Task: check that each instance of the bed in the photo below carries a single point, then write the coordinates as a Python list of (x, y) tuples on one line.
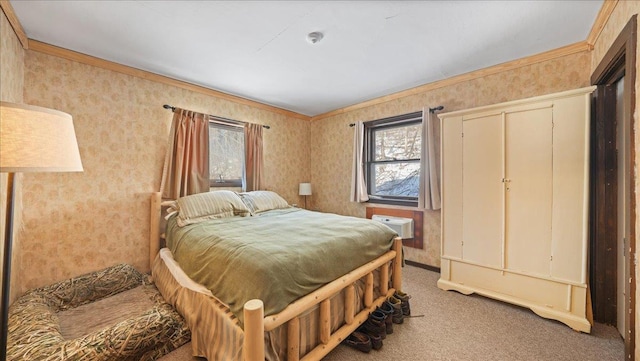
[(256, 239)]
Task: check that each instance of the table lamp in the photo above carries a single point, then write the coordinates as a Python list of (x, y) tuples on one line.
[(305, 190)]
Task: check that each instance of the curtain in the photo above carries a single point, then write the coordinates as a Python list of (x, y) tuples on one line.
[(186, 167), (358, 185), (429, 197), (253, 160)]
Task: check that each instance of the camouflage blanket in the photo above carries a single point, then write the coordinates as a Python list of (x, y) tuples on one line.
[(34, 330)]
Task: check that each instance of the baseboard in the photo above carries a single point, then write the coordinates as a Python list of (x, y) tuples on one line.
[(422, 265)]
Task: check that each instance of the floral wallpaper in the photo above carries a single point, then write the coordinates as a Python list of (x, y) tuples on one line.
[(11, 85), (618, 19), (331, 144), (79, 222), (12, 60)]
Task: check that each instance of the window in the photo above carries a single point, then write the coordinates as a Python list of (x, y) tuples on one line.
[(392, 156), (226, 155)]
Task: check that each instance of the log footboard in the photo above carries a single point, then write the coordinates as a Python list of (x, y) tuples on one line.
[(255, 324)]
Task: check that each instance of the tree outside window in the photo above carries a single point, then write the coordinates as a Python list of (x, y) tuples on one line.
[(226, 155), (393, 149)]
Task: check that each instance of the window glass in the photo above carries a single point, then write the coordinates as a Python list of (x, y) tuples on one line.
[(393, 149), (399, 142), (226, 155), (396, 179)]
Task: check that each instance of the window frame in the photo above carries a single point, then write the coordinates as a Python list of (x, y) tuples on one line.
[(370, 128), (230, 125)]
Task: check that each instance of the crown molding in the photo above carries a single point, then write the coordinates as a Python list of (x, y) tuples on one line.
[(548, 55), (109, 65), (15, 23), (53, 50), (601, 21), (603, 16), (598, 25)]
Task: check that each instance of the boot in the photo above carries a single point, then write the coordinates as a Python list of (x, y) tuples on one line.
[(375, 325), (376, 340), (387, 309), (404, 302), (397, 316)]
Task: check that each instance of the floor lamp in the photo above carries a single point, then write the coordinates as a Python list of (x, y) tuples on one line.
[(32, 139), (305, 190)]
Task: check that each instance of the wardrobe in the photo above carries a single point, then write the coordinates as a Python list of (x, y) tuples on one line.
[(515, 198)]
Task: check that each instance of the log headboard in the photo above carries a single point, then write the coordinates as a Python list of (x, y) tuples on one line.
[(156, 225)]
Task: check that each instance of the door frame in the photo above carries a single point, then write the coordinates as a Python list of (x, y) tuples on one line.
[(620, 60)]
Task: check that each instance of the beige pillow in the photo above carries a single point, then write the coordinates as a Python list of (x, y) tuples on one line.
[(202, 206), (261, 201)]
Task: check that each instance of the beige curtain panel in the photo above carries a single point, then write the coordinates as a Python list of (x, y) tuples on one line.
[(358, 185), (186, 168), (253, 159), (429, 197)]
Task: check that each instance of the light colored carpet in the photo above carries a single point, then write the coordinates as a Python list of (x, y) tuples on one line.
[(458, 327)]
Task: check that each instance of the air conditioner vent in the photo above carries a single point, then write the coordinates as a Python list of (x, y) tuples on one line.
[(402, 226)]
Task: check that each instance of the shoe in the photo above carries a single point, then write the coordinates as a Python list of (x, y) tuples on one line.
[(375, 336), (375, 325), (387, 309), (397, 316), (360, 341), (404, 302), (376, 341), (380, 317)]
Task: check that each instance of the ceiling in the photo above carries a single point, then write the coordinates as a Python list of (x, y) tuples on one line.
[(259, 50)]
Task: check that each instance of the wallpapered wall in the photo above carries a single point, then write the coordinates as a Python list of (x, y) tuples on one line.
[(11, 85), (331, 145), (79, 222), (11, 61), (75, 223), (619, 18)]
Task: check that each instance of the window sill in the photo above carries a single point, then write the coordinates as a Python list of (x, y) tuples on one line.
[(391, 206), (384, 202), (235, 189)]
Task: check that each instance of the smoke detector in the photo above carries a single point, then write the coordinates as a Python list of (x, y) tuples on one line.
[(314, 37)]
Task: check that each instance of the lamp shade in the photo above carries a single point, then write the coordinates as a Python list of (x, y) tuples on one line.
[(36, 139), (305, 189)]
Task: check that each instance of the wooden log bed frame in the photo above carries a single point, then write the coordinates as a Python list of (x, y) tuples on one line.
[(256, 323)]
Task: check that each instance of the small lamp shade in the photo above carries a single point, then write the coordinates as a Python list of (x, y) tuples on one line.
[(305, 189), (36, 139)]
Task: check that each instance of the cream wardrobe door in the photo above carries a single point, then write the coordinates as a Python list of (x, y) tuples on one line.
[(529, 190), (452, 189), (570, 189), (482, 190)]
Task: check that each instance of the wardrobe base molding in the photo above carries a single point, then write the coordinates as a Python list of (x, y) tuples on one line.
[(550, 299)]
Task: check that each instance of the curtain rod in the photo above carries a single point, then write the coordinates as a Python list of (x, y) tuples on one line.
[(431, 110), (173, 109)]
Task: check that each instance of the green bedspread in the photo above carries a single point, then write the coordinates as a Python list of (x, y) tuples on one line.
[(277, 257)]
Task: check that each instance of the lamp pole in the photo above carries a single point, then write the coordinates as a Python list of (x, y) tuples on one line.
[(6, 266)]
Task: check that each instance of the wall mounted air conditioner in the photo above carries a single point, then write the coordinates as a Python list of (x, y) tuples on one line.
[(403, 226)]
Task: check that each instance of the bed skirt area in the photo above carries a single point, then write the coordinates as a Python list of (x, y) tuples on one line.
[(215, 331)]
